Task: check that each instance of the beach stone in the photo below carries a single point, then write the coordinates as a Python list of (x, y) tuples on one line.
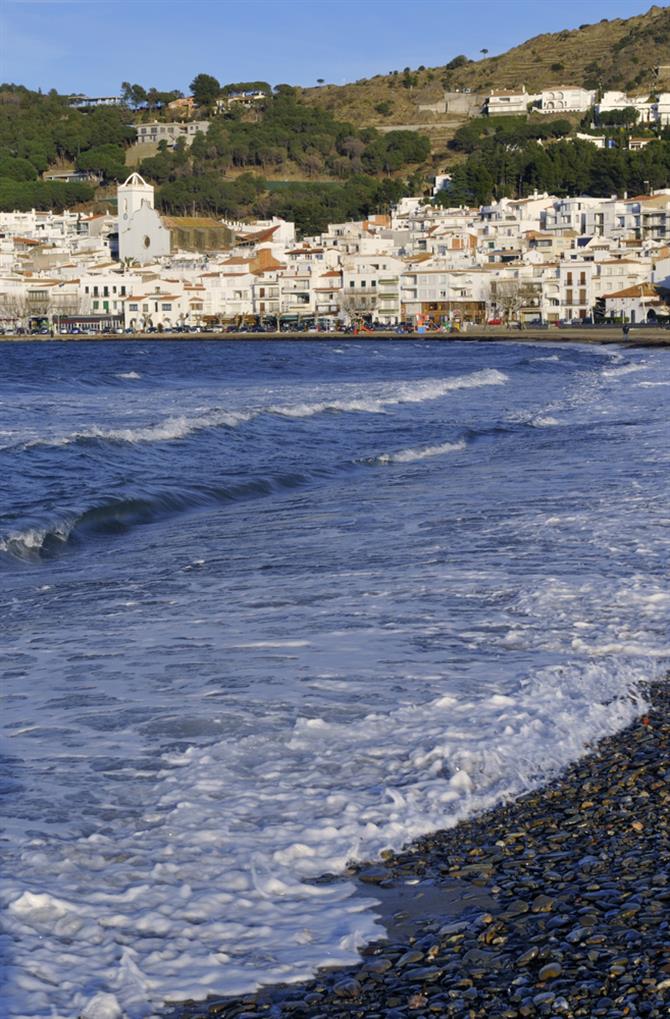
[(349, 988), (550, 971), (516, 908), (528, 956), (409, 957), (376, 965), (373, 875)]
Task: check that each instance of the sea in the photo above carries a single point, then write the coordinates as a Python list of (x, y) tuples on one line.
[(269, 608)]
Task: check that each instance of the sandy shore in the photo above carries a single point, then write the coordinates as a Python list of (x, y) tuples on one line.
[(555, 905), (600, 336)]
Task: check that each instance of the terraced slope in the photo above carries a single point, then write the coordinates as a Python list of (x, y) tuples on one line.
[(618, 53)]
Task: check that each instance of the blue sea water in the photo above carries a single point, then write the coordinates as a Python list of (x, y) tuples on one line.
[(270, 607)]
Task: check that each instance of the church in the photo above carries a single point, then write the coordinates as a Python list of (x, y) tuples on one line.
[(143, 237)]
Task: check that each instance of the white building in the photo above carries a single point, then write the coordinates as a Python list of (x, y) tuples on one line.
[(142, 235), (514, 102), (639, 303), (651, 109), (160, 131), (566, 99)]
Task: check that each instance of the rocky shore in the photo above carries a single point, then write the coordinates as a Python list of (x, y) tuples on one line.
[(555, 905)]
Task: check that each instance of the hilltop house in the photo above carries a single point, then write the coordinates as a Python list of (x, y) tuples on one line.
[(511, 103), (170, 132), (654, 109), (566, 99)]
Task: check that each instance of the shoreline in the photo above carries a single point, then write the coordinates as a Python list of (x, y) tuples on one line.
[(644, 337), (555, 904)]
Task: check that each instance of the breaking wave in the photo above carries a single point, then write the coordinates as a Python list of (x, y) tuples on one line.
[(423, 453), (179, 427)]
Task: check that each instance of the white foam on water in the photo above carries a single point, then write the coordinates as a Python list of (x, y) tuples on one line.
[(128, 375), (32, 540), (410, 455), (624, 369), (273, 643), (212, 889), (180, 426)]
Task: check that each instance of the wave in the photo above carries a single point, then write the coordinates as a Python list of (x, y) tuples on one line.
[(421, 453), (624, 369), (538, 419), (118, 515), (347, 790), (179, 427), (128, 375)]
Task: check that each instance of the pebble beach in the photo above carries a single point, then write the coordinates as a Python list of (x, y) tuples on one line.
[(557, 904)]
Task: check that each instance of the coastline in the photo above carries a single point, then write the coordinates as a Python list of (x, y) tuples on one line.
[(645, 337), (556, 904)]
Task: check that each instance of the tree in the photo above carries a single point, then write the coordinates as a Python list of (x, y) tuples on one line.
[(460, 61), (205, 89), (484, 51), (623, 118), (133, 95), (320, 81)]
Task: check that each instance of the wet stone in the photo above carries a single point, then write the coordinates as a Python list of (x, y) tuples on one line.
[(373, 875), (550, 971), (347, 988)]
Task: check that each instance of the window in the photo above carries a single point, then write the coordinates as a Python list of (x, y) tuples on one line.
[(166, 307), (133, 307), (95, 291), (582, 279), (96, 305), (569, 279)]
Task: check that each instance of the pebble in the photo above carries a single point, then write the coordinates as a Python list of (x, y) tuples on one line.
[(578, 873), (550, 971)]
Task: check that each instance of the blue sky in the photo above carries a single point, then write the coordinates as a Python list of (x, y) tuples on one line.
[(92, 45)]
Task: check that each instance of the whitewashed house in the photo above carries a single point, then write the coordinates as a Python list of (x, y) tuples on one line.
[(566, 99)]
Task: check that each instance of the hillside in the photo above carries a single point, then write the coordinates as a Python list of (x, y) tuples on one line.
[(617, 53), (340, 152)]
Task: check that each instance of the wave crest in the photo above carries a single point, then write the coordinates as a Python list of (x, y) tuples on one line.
[(179, 427)]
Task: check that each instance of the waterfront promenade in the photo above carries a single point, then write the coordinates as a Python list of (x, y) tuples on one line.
[(647, 337)]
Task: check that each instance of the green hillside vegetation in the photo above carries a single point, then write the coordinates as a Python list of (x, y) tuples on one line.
[(335, 153), (288, 137), (497, 168), (38, 132)]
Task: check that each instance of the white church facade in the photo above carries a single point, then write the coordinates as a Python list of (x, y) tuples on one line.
[(142, 234)]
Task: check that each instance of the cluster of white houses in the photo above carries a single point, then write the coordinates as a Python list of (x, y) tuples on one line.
[(538, 259), (651, 109)]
